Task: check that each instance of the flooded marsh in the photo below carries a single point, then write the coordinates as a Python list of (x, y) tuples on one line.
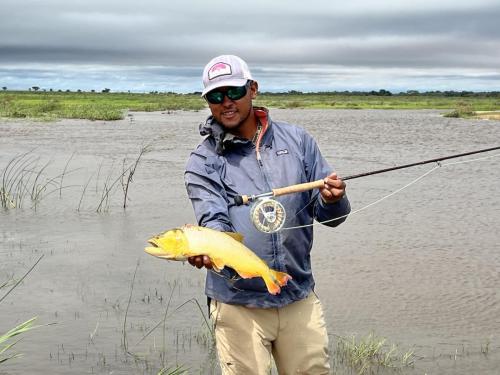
[(420, 269)]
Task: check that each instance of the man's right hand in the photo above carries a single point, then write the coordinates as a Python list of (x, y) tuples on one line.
[(200, 261)]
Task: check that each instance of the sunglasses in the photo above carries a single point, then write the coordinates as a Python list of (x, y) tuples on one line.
[(233, 93)]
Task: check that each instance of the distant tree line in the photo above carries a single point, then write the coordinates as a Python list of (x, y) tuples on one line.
[(381, 92), (384, 92), (37, 88)]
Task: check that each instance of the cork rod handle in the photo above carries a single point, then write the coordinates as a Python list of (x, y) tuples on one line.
[(298, 188)]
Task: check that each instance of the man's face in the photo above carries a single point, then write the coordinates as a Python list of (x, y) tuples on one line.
[(233, 113)]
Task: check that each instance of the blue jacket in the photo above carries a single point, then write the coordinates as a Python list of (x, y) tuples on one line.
[(224, 166)]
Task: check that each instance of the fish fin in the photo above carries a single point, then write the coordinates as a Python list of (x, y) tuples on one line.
[(272, 286), (218, 264), (247, 275), (236, 236), (281, 277), (275, 280)]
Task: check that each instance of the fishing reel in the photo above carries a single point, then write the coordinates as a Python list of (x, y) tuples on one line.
[(267, 215)]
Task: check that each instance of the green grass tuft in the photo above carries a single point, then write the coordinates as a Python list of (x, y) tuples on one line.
[(6, 343), (370, 353)]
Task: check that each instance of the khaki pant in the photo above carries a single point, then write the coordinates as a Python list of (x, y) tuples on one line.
[(295, 335)]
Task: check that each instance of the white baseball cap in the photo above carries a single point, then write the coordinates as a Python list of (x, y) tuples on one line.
[(225, 70)]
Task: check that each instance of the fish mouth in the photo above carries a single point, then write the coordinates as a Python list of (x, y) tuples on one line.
[(158, 252), (152, 242), (155, 250)]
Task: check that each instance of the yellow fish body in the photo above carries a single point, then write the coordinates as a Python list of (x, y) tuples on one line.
[(223, 249)]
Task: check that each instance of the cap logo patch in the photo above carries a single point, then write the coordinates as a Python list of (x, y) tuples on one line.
[(219, 69)]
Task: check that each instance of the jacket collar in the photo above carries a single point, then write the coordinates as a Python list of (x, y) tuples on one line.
[(224, 141)]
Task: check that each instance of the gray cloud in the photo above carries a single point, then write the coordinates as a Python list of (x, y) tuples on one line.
[(156, 42)]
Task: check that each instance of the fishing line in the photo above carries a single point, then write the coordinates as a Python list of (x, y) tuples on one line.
[(268, 215), (233, 278), (394, 192)]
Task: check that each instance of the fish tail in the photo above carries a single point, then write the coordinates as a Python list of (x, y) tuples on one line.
[(271, 284), (275, 280), (281, 277)]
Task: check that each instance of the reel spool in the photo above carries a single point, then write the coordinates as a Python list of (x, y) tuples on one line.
[(267, 215)]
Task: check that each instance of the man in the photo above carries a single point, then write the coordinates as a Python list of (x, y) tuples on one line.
[(245, 152)]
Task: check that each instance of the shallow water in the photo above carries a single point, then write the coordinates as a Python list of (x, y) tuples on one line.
[(421, 268)]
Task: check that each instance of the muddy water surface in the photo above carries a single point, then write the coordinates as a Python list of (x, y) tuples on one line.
[(421, 268)]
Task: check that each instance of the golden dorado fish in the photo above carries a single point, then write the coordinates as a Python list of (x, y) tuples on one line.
[(223, 249)]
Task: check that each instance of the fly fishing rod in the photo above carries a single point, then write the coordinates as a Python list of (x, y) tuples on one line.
[(268, 215)]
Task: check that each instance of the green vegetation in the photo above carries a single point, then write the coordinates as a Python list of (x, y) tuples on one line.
[(383, 100), (174, 371), (370, 353), (462, 110), (92, 106), (113, 106), (24, 179), (7, 339)]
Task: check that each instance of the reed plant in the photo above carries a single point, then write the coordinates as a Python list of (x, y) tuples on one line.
[(130, 171), (165, 370), (173, 371), (370, 353), (7, 340), (125, 178), (24, 178), (7, 343)]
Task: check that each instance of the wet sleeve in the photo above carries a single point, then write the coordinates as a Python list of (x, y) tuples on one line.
[(330, 214), (206, 192)]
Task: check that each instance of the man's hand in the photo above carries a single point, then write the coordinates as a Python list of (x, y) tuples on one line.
[(333, 190), (200, 261)]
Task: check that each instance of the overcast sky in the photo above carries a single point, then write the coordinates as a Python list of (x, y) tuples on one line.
[(149, 45)]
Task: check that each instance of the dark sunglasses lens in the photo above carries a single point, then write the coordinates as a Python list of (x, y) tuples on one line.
[(215, 97), (235, 93)]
